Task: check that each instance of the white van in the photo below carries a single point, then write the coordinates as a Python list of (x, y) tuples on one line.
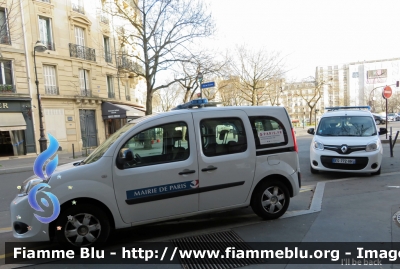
[(170, 165), (347, 140)]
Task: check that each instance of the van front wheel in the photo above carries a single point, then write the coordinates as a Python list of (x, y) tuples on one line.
[(82, 226), (270, 200)]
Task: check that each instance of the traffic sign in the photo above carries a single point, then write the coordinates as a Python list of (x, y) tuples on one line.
[(208, 85), (387, 92)]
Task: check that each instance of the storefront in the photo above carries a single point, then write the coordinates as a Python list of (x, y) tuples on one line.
[(115, 116), (16, 127)]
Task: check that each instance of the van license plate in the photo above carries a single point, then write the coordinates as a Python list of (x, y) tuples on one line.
[(346, 161)]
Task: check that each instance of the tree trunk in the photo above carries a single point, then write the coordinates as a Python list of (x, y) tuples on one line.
[(187, 95)]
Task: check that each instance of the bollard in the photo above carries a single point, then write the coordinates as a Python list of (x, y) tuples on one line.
[(73, 151), (390, 145)]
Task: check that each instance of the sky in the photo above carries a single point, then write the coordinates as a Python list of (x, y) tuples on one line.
[(310, 33)]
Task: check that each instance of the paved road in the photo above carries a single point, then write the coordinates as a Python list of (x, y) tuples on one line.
[(351, 207)]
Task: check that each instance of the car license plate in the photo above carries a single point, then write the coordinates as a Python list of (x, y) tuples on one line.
[(346, 161)]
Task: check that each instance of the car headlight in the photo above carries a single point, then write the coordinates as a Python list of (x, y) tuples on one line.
[(318, 145), (372, 146), (28, 185)]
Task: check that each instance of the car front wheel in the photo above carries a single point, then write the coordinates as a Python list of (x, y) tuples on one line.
[(82, 226), (377, 122), (270, 200)]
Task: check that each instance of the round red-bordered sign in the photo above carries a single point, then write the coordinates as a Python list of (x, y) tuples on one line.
[(387, 92)]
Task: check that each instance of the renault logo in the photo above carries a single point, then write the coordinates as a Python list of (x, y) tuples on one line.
[(344, 148)]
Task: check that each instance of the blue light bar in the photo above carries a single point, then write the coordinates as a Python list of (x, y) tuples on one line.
[(193, 103), (347, 107)]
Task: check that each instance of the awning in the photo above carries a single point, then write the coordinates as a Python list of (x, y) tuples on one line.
[(116, 111), (12, 122)]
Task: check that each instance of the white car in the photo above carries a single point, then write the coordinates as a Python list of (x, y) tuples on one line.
[(346, 140), (165, 166)]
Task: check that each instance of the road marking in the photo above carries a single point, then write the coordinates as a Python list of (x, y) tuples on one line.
[(393, 187), (307, 188)]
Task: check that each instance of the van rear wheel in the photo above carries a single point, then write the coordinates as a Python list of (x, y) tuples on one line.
[(270, 200), (82, 226)]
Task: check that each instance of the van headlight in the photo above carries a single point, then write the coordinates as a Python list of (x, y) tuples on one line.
[(372, 146), (28, 185), (318, 145)]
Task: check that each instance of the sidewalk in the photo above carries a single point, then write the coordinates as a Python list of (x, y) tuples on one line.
[(24, 163)]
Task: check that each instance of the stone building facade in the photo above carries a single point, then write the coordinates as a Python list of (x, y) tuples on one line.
[(86, 86)]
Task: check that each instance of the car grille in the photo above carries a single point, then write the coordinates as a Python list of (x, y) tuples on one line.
[(361, 163), (350, 149)]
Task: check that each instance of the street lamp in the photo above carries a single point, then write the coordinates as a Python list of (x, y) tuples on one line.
[(42, 140), (200, 78), (316, 111)]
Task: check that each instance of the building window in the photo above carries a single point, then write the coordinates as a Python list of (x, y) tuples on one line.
[(107, 51), (84, 82), (4, 31), (50, 80), (110, 86), (45, 33), (6, 80), (77, 5), (80, 36)]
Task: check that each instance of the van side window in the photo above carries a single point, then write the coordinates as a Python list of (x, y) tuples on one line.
[(159, 144), (221, 136), (268, 132)]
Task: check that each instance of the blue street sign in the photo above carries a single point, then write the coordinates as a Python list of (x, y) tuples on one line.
[(208, 85)]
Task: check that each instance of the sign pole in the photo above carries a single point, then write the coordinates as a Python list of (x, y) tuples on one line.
[(386, 115), (387, 93)]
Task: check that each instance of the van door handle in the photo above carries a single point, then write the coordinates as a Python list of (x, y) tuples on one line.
[(187, 171), (209, 168)]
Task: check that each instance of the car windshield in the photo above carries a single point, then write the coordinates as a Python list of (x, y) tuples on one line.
[(391, 114), (100, 150), (346, 126)]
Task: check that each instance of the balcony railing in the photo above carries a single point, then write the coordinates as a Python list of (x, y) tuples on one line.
[(49, 45), (128, 98), (52, 90), (78, 8), (5, 88), (82, 52), (5, 39), (111, 95), (86, 92), (127, 64), (108, 57)]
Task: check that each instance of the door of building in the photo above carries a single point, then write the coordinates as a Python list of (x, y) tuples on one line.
[(88, 128)]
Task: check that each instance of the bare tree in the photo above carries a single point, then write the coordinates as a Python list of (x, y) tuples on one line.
[(162, 30), (10, 22), (311, 91), (208, 64), (229, 92), (257, 71), (167, 98)]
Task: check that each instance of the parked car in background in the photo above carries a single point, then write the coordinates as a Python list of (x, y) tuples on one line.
[(392, 117), (379, 119)]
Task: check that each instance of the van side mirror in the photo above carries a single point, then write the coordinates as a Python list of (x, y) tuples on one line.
[(125, 155), (382, 131), (310, 131)]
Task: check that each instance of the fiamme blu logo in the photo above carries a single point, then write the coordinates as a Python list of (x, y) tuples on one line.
[(44, 168)]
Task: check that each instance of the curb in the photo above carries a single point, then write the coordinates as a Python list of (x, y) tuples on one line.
[(24, 168)]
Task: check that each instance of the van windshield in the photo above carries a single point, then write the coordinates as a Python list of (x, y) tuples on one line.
[(346, 126), (100, 150)]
